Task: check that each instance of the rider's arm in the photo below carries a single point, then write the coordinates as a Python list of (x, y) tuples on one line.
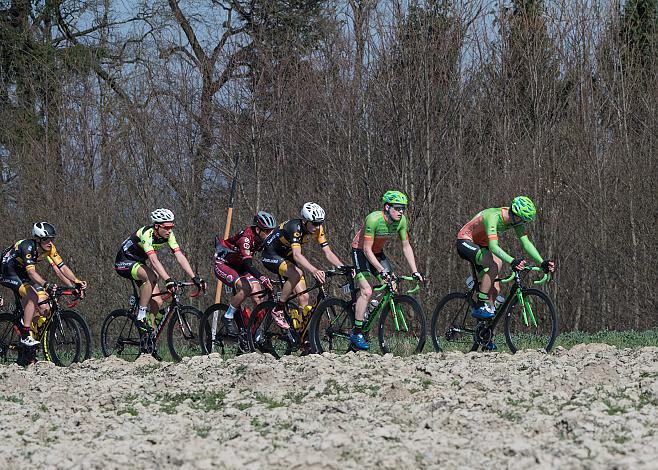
[(66, 275), (185, 264), (331, 256), (301, 260), (527, 245), (408, 252), (490, 221), (35, 277), (251, 268), (157, 266), (372, 259)]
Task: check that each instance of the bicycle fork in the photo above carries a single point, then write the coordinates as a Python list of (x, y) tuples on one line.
[(526, 309), (398, 317)]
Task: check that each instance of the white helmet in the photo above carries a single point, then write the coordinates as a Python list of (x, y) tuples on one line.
[(43, 230), (160, 216), (312, 212)]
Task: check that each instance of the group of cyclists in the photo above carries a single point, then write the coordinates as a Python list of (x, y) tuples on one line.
[(280, 246)]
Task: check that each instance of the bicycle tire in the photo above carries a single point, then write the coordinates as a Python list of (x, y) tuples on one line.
[(66, 328), (453, 327), (542, 336), (207, 342), (9, 339), (405, 332), (183, 331), (274, 339), (120, 336), (331, 326)]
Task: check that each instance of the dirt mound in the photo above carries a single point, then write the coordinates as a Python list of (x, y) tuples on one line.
[(594, 406)]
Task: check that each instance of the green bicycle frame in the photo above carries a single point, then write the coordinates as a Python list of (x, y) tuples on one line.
[(388, 298), (526, 310)]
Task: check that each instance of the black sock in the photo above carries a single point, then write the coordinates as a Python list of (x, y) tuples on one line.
[(358, 327)]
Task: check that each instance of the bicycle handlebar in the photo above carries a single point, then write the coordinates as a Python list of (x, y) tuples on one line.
[(166, 295), (539, 282), (401, 278)]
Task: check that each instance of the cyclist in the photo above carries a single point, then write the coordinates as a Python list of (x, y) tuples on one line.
[(283, 255), (234, 263), (368, 254), (20, 275), (477, 242), (141, 246)]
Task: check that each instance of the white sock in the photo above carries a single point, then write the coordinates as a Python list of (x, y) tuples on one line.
[(141, 314), (230, 312)]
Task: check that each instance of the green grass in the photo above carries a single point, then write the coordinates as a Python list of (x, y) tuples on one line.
[(620, 339)]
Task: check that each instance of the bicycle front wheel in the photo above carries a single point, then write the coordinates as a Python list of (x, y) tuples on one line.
[(331, 326), (183, 332), (68, 339), (531, 324), (453, 327), (120, 336), (402, 331)]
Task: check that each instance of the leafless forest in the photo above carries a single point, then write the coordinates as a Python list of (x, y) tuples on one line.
[(110, 109)]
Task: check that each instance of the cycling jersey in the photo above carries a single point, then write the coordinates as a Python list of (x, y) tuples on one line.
[(20, 258), (483, 230), (379, 230), (136, 249), (234, 256), (143, 242), (292, 234)]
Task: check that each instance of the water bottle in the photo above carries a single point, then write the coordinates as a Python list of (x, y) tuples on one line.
[(470, 282), (498, 302), (296, 318), (159, 316), (371, 308), (132, 300)]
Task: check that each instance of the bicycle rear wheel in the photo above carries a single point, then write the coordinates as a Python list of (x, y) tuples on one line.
[(453, 327), (266, 335), (9, 339), (120, 336), (331, 326), (68, 339), (402, 331), (183, 332), (532, 325)]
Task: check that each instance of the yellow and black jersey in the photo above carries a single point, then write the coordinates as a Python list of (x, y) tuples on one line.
[(291, 234), (23, 255)]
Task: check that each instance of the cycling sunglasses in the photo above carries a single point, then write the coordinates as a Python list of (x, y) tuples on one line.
[(47, 239), (167, 227), (399, 208)]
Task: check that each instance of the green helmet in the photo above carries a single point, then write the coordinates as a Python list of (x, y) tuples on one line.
[(523, 207), (394, 197)]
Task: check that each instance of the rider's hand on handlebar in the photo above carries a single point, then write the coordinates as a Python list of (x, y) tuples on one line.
[(50, 288), (419, 277), (518, 264), (266, 282), (386, 276), (319, 275), (170, 284), (199, 282), (548, 266)]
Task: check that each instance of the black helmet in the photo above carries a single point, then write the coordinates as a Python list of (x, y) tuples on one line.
[(43, 230), (265, 220)]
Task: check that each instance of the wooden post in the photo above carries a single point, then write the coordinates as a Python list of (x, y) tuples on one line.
[(227, 227)]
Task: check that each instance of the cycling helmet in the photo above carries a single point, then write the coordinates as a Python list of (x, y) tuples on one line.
[(264, 220), (43, 230), (312, 212), (523, 207), (160, 216), (394, 197)]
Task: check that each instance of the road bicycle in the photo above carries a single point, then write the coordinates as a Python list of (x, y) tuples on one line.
[(529, 318), (63, 333), (268, 337), (398, 319), (122, 335), (214, 335)]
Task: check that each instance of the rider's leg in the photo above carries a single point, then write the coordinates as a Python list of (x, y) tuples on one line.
[(292, 274), (365, 292), (494, 272), (486, 260), (149, 285), (29, 300)]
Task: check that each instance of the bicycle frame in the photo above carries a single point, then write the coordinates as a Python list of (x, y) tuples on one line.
[(389, 299)]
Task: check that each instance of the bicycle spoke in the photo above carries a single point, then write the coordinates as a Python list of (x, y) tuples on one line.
[(531, 323), (453, 328)]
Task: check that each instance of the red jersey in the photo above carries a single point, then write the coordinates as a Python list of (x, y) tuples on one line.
[(241, 246)]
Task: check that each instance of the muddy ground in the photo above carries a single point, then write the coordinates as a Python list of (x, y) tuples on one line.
[(594, 406)]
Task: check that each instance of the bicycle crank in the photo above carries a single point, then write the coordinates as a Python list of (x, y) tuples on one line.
[(483, 333)]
